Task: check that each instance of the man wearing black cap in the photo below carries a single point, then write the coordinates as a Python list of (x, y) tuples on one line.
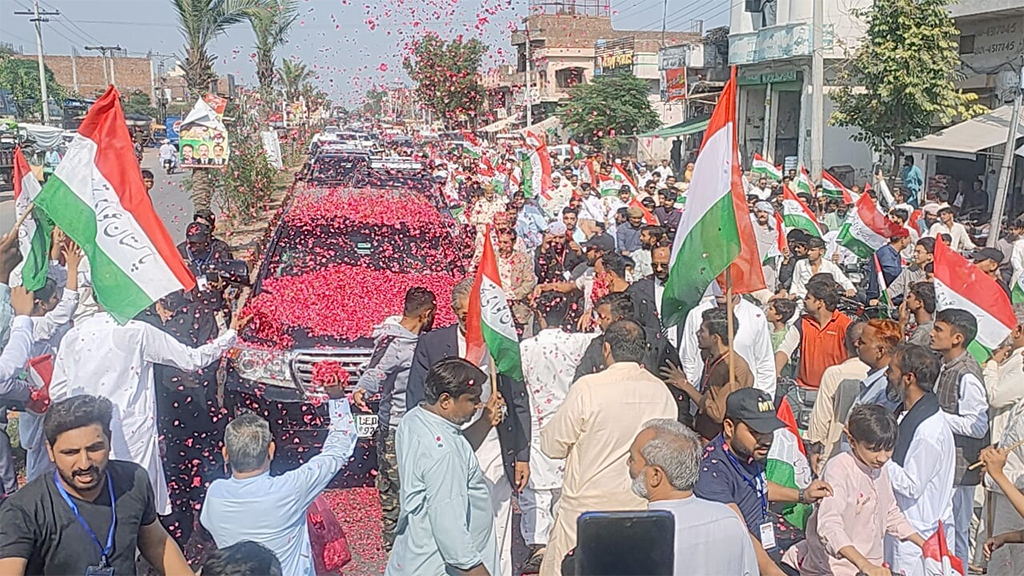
[(732, 472), (988, 260)]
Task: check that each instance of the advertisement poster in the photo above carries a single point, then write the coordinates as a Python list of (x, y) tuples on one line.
[(674, 84), (272, 148), (202, 138)]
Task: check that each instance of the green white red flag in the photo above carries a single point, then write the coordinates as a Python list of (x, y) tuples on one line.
[(622, 179), (787, 465), (938, 560), (866, 229), (489, 325), (803, 182), (832, 187), (96, 196), (765, 168), (536, 168), (796, 214), (962, 285), (708, 238), (34, 232)]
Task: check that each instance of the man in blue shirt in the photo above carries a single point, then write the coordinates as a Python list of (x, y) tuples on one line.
[(271, 510), (913, 179), (890, 262), (732, 472), (446, 522)]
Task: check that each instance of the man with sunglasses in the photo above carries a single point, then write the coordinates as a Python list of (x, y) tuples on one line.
[(732, 472)]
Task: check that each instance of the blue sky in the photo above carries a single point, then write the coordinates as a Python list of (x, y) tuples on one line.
[(352, 45)]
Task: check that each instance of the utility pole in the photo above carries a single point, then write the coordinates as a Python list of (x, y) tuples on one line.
[(38, 17), (1006, 170), (104, 50), (74, 68), (528, 97), (817, 94)]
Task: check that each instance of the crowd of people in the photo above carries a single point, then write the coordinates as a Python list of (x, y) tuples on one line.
[(830, 423)]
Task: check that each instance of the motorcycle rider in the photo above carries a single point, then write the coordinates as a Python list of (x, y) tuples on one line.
[(168, 155)]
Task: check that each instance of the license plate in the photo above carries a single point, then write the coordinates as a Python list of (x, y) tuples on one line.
[(366, 425)]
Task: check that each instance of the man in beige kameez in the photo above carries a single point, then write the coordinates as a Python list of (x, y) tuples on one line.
[(593, 430)]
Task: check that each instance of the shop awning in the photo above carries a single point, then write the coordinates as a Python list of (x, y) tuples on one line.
[(968, 138), (500, 125), (549, 123), (686, 127)]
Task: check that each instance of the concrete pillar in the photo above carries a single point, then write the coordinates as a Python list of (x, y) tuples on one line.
[(772, 120)]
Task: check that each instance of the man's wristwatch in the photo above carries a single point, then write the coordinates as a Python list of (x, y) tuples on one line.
[(800, 496)]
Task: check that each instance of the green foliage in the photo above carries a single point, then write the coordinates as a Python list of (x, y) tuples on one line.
[(293, 76), (247, 183), (200, 22), (271, 27), (21, 77), (373, 102), (138, 102), (447, 76), (608, 109), (907, 67)]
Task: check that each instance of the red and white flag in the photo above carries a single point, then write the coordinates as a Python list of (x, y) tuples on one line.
[(40, 372), (938, 560)]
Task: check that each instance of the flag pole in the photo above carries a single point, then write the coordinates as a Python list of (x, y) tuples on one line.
[(729, 320), (24, 215)]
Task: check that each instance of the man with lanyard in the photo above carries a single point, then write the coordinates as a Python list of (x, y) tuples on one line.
[(732, 472), (54, 524)]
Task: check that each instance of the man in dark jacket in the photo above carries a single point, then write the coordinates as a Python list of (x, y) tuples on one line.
[(505, 455)]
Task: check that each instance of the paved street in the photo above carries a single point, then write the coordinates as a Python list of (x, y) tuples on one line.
[(169, 197)]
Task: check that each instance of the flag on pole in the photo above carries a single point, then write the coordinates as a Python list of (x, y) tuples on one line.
[(833, 188), (960, 284), (96, 196), (938, 560), (796, 214), (649, 218), (866, 229), (787, 465), (765, 168), (803, 182), (536, 166), (489, 326), (474, 148), (607, 185), (34, 233), (708, 238), (622, 178), (574, 150)]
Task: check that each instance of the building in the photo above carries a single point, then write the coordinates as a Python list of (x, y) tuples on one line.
[(991, 37), (88, 76), (770, 43), (566, 39)]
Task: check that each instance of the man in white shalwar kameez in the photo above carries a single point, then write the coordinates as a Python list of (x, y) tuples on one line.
[(549, 363), (101, 357)]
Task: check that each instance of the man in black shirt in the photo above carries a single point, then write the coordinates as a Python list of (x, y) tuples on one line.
[(91, 514)]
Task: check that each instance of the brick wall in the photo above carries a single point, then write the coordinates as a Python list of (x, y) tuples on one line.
[(130, 73)]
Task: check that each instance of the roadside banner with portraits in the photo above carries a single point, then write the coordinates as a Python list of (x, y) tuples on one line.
[(203, 139)]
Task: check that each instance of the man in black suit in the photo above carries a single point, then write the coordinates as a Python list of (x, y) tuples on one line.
[(647, 292), (504, 459)]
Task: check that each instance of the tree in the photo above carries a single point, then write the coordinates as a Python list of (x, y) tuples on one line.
[(203, 20), (271, 27), (906, 67), (373, 102), (293, 76), (21, 77), (609, 108), (138, 102), (447, 76)]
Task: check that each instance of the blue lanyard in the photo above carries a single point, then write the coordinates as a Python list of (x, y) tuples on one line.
[(757, 484), (105, 550), (198, 263)]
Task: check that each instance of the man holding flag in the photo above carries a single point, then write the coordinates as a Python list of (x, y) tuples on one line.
[(485, 336)]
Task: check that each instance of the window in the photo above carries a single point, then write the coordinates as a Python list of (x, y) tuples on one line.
[(967, 44)]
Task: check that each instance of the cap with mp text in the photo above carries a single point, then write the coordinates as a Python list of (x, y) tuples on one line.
[(754, 408)]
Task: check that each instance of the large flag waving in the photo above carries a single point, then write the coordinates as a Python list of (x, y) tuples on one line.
[(960, 284), (489, 326), (34, 232), (96, 196), (832, 187), (867, 229), (796, 214), (536, 167), (708, 239)]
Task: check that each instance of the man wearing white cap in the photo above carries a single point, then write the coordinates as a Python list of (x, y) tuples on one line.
[(767, 241)]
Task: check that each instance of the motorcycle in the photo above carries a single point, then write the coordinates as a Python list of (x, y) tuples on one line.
[(169, 165)]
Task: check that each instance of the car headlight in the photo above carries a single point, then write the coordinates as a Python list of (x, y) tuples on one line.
[(264, 366)]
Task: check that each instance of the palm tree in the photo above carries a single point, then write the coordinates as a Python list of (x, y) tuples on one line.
[(271, 30), (293, 76), (203, 20)]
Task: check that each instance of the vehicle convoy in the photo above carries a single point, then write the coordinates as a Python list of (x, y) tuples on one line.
[(338, 263)]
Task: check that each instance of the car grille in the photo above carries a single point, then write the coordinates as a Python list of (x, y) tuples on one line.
[(354, 360)]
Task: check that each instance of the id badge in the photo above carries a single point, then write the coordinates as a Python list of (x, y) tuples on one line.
[(99, 571), (567, 275), (202, 282), (767, 536)]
